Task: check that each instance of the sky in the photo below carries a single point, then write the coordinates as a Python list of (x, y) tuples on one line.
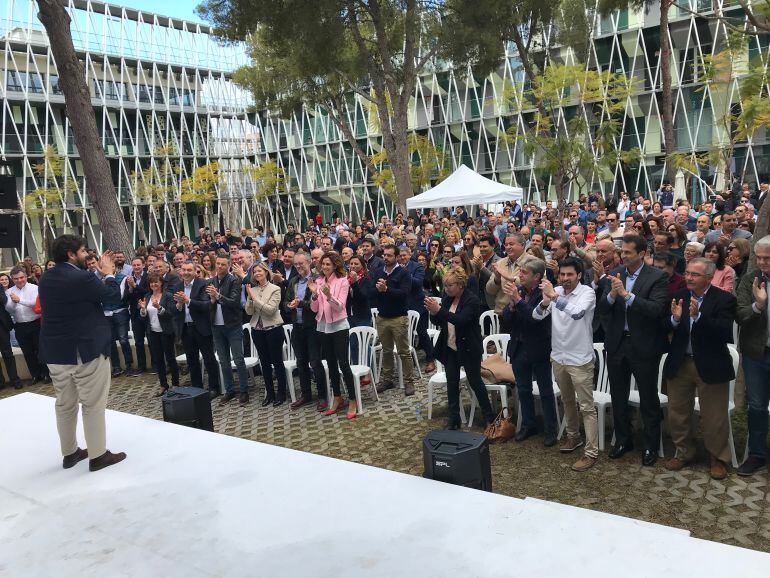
[(184, 9)]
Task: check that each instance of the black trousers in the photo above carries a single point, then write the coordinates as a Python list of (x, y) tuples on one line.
[(335, 349), (269, 346), (307, 350), (620, 367), (197, 345), (424, 341), (473, 373), (162, 347), (7, 352), (28, 336), (139, 327)]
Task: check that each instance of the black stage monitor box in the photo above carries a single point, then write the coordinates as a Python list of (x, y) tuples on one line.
[(190, 406), (8, 198), (10, 231), (457, 457)]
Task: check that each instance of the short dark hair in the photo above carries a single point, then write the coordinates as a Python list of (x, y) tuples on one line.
[(668, 258), (639, 243), (389, 246), (574, 262), (18, 269), (487, 238), (63, 245)]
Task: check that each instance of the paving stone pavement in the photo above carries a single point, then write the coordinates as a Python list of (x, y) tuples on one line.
[(389, 435)]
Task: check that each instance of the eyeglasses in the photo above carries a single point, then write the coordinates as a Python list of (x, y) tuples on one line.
[(693, 274), (447, 252)]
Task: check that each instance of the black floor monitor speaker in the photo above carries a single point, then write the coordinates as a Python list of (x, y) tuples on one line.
[(10, 231), (8, 198), (457, 457), (190, 406)]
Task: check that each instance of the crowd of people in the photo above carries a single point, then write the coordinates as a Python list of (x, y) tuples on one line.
[(644, 276)]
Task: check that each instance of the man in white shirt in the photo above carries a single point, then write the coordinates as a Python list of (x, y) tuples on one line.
[(22, 298), (571, 307)]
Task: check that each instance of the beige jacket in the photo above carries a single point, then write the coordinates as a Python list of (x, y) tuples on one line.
[(264, 305), (496, 298)]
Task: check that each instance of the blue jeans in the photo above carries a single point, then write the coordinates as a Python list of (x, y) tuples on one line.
[(523, 369), (229, 340), (119, 323), (757, 375)]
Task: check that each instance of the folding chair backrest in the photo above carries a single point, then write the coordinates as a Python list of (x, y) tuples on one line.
[(439, 365), (414, 320), (500, 341), (600, 358), (736, 360), (288, 349), (489, 323), (365, 337)]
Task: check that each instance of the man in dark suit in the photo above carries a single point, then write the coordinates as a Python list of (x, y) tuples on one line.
[(632, 307), (171, 281), (530, 350), (225, 311), (138, 289), (6, 325), (75, 343), (699, 362), (416, 302), (197, 341), (304, 337)]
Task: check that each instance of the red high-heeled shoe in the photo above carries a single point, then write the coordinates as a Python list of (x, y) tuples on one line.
[(332, 410)]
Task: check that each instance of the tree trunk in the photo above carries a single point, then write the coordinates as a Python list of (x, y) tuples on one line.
[(667, 111), (80, 113)]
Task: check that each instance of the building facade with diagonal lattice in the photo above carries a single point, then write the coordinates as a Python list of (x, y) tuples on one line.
[(166, 105)]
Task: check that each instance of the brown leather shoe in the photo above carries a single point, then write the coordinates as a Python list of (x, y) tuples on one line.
[(718, 469), (227, 398), (584, 463), (105, 460), (408, 389), (570, 444), (75, 457), (675, 464), (300, 402), (430, 367)]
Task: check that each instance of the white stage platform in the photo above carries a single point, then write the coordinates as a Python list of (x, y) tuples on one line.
[(192, 503)]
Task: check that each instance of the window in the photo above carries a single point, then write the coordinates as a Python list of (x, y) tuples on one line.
[(53, 80), (14, 81), (35, 83), (142, 93)]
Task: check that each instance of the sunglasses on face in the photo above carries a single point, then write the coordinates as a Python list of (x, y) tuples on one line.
[(447, 252)]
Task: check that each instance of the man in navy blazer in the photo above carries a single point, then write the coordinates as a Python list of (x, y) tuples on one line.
[(416, 302), (530, 350), (195, 304), (75, 343)]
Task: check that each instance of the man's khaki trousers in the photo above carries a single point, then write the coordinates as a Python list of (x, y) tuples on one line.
[(86, 384)]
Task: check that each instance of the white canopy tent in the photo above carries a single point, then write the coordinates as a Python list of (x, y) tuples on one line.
[(465, 187)]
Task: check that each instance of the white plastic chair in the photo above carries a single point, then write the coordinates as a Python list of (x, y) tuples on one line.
[(362, 365), (730, 405), (500, 341), (438, 379), (289, 361), (489, 319), (634, 401)]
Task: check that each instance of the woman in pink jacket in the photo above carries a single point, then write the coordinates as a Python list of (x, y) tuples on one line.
[(330, 296)]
